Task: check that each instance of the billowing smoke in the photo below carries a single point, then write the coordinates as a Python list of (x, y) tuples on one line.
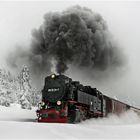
[(76, 37)]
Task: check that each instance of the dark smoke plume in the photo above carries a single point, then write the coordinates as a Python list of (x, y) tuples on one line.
[(78, 37)]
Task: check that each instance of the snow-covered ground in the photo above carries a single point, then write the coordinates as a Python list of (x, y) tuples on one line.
[(16, 123)]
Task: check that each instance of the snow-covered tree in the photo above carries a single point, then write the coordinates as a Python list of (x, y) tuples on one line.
[(25, 104), (25, 88), (4, 100), (25, 79), (35, 97), (18, 89), (7, 95)]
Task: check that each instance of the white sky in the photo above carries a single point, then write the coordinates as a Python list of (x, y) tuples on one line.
[(17, 19)]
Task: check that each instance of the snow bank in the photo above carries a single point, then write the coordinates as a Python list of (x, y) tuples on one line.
[(17, 123), (15, 113), (129, 117)]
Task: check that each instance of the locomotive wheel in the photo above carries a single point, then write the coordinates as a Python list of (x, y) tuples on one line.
[(71, 116), (74, 116)]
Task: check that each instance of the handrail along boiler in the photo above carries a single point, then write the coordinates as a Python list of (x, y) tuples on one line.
[(67, 101)]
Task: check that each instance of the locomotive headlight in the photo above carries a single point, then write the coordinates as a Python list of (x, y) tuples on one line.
[(53, 76), (58, 102), (43, 103)]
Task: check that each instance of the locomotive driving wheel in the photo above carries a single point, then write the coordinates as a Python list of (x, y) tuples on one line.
[(74, 115)]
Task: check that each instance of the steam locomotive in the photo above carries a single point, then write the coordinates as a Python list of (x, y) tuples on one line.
[(67, 101)]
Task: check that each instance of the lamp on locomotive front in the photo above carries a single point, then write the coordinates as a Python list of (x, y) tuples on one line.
[(58, 102), (42, 103), (53, 76)]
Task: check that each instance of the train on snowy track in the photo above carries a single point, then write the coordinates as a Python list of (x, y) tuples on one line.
[(68, 101)]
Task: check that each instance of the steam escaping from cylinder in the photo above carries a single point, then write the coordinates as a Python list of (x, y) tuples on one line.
[(75, 37)]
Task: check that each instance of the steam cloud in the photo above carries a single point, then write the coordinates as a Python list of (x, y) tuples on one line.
[(78, 37)]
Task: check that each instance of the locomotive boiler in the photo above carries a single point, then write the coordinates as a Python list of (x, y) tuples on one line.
[(68, 101)]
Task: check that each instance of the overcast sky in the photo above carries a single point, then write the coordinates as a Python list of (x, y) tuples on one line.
[(17, 19)]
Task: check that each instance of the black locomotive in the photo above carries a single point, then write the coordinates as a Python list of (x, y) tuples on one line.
[(67, 101)]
